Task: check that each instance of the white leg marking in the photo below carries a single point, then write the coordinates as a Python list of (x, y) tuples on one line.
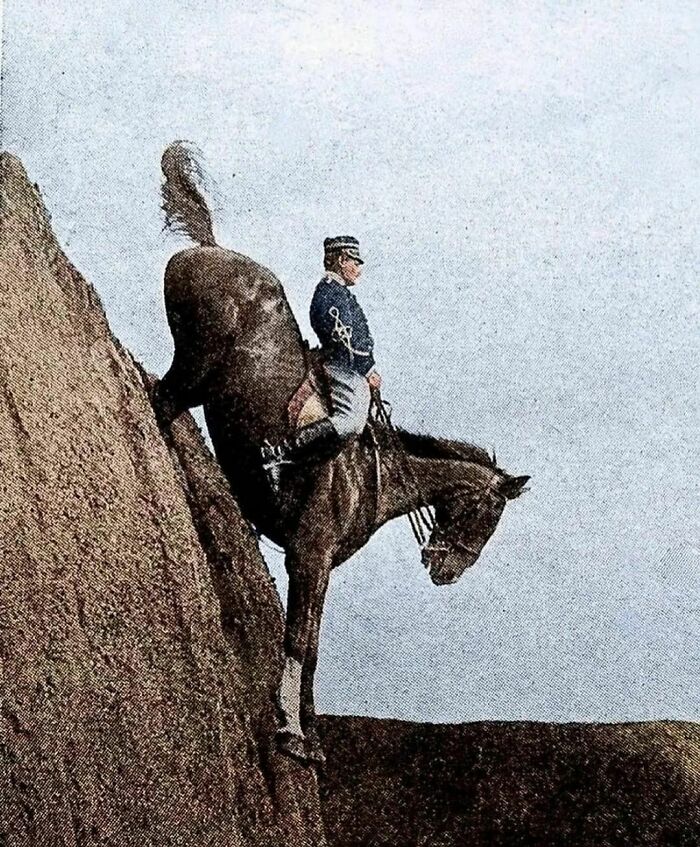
[(290, 696)]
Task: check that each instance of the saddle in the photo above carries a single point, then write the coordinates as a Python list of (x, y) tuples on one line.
[(311, 401)]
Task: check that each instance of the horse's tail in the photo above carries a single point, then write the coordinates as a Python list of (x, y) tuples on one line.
[(183, 202)]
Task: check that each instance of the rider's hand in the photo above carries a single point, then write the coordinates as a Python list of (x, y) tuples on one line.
[(374, 380)]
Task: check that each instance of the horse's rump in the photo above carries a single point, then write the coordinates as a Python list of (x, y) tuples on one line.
[(234, 330)]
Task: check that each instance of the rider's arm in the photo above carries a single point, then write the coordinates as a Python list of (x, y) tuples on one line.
[(320, 314)]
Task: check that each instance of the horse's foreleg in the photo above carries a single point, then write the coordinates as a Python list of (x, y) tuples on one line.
[(314, 750), (289, 697), (308, 707), (308, 582)]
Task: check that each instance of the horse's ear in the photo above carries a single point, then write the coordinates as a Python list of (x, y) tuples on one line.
[(513, 486)]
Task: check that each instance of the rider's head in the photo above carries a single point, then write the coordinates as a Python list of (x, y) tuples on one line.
[(342, 256)]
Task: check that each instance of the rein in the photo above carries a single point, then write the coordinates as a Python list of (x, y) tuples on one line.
[(421, 518)]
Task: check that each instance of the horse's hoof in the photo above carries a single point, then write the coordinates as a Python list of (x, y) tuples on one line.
[(292, 745)]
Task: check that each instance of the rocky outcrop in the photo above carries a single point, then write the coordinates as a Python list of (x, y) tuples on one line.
[(140, 631), (394, 784)]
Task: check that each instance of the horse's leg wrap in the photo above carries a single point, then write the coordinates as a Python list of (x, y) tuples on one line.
[(289, 697)]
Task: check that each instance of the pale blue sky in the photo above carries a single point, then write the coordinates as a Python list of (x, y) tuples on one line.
[(523, 177)]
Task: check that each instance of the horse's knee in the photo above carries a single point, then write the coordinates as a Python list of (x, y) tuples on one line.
[(305, 599), (181, 388)]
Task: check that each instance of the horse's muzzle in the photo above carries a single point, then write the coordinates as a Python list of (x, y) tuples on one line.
[(434, 559), (447, 564), (443, 577)]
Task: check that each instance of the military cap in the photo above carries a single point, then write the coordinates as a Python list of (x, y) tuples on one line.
[(345, 243)]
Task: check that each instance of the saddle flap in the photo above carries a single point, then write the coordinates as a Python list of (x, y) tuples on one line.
[(310, 401)]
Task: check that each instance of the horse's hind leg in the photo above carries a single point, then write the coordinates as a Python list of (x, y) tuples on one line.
[(182, 388)]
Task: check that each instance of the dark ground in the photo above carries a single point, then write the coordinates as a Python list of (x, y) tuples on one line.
[(394, 784)]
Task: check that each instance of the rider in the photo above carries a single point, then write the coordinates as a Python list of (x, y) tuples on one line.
[(347, 344)]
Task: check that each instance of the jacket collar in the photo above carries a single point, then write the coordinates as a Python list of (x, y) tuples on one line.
[(334, 277)]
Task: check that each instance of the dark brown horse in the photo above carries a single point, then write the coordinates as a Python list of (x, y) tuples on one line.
[(239, 354)]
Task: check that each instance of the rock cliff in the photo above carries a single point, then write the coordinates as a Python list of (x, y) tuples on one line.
[(139, 628)]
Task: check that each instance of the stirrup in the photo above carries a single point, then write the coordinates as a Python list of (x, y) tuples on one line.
[(273, 458)]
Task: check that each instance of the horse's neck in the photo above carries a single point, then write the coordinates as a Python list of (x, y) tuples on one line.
[(413, 481)]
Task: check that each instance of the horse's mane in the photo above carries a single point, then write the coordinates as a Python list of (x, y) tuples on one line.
[(430, 447)]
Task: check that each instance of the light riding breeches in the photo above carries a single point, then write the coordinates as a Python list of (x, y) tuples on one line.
[(350, 396)]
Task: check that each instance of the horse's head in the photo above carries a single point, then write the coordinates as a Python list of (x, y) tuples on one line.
[(464, 522)]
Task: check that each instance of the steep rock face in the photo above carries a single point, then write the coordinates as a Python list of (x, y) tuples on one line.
[(139, 628), (397, 784)]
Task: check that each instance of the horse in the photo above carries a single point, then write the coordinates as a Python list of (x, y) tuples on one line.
[(239, 353)]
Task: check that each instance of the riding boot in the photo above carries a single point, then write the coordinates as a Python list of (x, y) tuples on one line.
[(317, 441)]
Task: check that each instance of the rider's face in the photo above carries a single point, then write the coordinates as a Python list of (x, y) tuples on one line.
[(350, 269)]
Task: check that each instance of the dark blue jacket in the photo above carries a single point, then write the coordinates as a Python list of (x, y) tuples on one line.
[(338, 320)]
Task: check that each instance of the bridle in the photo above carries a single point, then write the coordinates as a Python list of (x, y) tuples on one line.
[(470, 514), (422, 518)]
